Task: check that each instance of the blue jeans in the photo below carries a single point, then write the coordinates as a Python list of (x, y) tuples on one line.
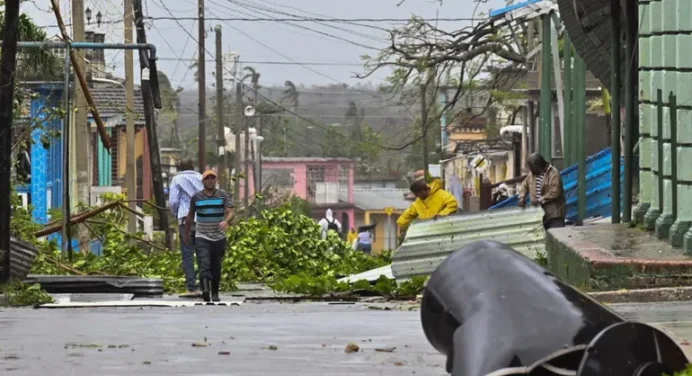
[(188, 254), (366, 248)]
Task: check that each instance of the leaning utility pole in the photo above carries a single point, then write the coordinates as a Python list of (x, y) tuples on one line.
[(246, 168), (201, 80), (219, 110), (424, 129), (82, 132), (131, 166), (239, 118), (150, 95), (8, 65)]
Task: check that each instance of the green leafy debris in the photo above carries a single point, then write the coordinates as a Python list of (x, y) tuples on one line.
[(279, 246), (21, 295)]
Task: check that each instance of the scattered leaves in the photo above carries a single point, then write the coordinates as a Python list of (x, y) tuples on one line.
[(351, 348), (20, 294)]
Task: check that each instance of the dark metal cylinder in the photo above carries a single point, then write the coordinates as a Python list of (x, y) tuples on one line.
[(488, 307)]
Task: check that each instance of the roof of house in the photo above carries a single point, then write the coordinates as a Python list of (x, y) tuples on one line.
[(110, 101), (380, 198)]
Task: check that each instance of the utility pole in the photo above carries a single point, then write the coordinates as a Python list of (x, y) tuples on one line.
[(219, 109), (150, 92), (424, 128), (238, 127), (258, 161), (131, 166), (246, 159), (82, 131), (202, 87), (8, 65)]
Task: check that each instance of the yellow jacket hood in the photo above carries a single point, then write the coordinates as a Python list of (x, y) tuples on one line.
[(439, 202)]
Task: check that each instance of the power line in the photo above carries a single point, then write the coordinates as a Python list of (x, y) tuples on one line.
[(252, 6), (274, 103), (285, 19), (291, 59), (256, 10), (266, 62)]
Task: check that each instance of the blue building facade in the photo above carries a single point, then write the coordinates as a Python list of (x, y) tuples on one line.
[(45, 191)]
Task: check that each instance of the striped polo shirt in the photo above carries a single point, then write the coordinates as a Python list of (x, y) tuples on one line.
[(210, 210)]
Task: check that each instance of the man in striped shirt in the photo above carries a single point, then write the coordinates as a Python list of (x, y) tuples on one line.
[(183, 186), (214, 209)]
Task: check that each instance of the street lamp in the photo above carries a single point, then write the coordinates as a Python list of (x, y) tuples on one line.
[(87, 12), (99, 18)]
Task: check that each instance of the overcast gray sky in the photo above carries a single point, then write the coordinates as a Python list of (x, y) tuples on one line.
[(334, 48)]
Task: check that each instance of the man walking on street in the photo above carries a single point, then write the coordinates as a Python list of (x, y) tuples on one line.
[(183, 186), (214, 209), (544, 186)]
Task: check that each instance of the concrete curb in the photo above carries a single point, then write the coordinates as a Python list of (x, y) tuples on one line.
[(664, 294)]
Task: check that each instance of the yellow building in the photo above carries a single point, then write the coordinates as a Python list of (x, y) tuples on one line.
[(381, 206)]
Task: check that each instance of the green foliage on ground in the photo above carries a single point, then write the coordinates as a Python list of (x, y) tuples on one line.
[(21, 294), (686, 372), (279, 246)]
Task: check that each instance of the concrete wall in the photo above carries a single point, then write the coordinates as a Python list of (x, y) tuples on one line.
[(665, 60)]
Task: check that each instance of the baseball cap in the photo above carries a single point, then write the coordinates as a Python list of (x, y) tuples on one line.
[(208, 173)]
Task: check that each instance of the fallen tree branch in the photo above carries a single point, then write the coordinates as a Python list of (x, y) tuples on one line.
[(138, 214), (137, 238), (76, 219)]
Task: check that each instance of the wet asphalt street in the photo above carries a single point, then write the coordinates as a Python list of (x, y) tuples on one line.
[(253, 339)]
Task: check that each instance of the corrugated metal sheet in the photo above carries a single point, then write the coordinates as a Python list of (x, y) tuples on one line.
[(22, 256), (370, 275), (598, 187), (380, 198), (428, 243)]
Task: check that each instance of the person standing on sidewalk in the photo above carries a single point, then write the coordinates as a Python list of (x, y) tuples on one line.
[(214, 209), (544, 186), (183, 186)]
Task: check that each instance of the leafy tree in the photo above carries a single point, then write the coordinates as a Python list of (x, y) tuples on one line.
[(34, 63), (368, 150), (254, 77), (333, 145), (291, 95), (422, 54), (168, 118)]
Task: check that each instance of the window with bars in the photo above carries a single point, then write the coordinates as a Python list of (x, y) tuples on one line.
[(327, 184)]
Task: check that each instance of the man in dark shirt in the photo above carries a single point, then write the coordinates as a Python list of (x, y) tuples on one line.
[(214, 209)]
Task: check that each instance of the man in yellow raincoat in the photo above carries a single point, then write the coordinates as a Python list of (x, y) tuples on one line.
[(432, 201)]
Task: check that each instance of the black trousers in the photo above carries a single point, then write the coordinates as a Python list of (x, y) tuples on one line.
[(209, 258), (553, 223)]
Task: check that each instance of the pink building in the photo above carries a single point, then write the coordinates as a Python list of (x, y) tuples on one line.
[(326, 183)]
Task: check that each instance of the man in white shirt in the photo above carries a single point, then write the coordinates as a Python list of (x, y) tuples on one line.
[(183, 186)]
